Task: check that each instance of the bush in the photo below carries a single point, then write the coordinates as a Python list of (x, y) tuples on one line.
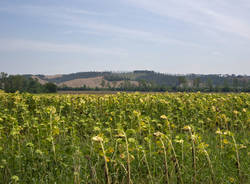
[(50, 88)]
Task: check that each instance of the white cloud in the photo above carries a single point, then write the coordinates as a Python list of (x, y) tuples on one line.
[(75, 18), (218, 15), (41, 46), (122, 32), (47, 10)]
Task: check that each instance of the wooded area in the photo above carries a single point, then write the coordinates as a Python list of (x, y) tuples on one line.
[(140, 80), (13, 83)]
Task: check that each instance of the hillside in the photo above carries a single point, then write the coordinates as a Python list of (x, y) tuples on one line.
[(143, 79)]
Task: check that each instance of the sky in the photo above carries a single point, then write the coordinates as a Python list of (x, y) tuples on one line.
[(168, 36)]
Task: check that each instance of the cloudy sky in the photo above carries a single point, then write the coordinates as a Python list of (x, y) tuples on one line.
[(170, 36)]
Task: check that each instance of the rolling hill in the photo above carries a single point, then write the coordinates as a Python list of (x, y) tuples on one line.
[(142, 78)]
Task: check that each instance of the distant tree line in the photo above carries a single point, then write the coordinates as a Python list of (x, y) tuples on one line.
[(125, 81), (115, 77), (159, 82), (181, 86), (13, 83)]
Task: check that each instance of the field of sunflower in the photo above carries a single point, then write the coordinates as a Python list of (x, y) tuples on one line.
[(125, 138)]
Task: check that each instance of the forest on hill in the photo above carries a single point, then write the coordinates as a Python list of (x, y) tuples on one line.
[(138, 80)]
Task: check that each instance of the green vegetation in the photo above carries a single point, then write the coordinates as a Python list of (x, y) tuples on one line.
[(153, 81), (50, 88), (13, 83), (139, 80), (125, 138)]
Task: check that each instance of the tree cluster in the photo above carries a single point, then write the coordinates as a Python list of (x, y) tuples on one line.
[(13, 83)]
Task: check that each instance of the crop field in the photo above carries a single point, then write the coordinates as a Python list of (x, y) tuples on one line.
[(130, 138)]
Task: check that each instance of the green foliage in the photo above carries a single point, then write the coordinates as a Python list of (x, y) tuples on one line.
[(79, 75), (153, 81), (115, 77), (19, 83), (50, 87), (125, 138), (14, 83)]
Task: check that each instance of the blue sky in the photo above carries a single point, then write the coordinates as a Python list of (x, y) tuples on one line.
[(170, 36)]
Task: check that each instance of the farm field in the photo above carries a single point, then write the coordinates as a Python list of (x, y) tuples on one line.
[(125, 138)]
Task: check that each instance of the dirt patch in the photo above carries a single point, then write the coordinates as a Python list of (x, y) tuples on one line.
[(88, 82), (53, 76), (94, 82), (39, 80)]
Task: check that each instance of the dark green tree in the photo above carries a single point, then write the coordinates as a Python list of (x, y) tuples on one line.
[(50, 87), (182, 80), (103, 83), (196, 82), (3, 77), (15, 83)]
